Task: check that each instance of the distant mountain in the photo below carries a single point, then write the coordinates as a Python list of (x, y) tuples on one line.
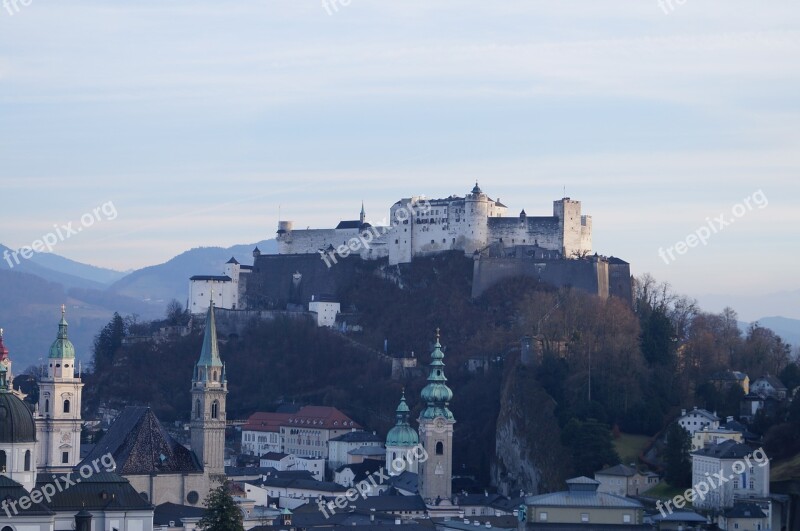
[(753, 307), (60, 264), (33, 290), (788, 329), (161, 283), (33, 267)]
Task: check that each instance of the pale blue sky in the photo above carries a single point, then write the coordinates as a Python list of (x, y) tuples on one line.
[(197, 119)]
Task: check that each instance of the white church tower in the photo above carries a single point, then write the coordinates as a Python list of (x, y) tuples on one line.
[(436, 435), (209, 392), (58, 415)]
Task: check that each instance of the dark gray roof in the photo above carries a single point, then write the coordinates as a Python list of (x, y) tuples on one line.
[(479, 500), (362, 470), (220, 278), (352, 224), (306, 484), (358, 436), (582, 499), (141, 446), (618, 470), (728, 449), (172, 512), (773, 381), (407, 481), (99, 491), (274, 456), (12, 491), (232, 261), (16, 420), (745, 510)]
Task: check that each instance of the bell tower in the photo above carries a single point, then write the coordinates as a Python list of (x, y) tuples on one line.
[(58, 413), (209, 392), (436, 434)]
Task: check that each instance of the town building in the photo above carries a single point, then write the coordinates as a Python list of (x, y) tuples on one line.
[(307, 432), (769, 387), (724, 380), (697, 419), (625, 480), (324, 309), (705, 437), (582, 504), (340, 448), (748, 476)]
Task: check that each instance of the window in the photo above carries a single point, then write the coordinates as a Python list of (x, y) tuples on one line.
[(27, 461), (584, 517), (197, 409), (215, 409), (439, 448), (626, 518), (47, 405), (66, 406), (543, 516), (2, 461), (64, 457)]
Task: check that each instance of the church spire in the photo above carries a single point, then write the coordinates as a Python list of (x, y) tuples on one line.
[(62, 347), (209, 354), (363, 215), (436, 394)]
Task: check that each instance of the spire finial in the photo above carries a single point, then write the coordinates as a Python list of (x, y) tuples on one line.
[(1, 333), (438, 335), (63, 310)]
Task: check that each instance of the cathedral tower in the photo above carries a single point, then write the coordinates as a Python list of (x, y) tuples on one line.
[(209, 391), (436, 433), (58, 418)]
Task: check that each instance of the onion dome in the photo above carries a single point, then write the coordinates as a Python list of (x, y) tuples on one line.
[(402, 434), (16, 420), (436, 394), (62, 347), (477, 189)]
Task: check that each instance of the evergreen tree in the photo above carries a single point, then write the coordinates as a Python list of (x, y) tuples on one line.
[(678, 464), (591, 445), (222, 513), (108, 342)]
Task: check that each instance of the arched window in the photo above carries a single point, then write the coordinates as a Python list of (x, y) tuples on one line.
[(439, 448), (47, 405), (197, 409), (215, 409), (214, 376), (27, 460), (2, 460), (66, 406)]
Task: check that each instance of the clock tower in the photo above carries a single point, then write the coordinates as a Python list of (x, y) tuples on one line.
[(436, 434), (58, 413)]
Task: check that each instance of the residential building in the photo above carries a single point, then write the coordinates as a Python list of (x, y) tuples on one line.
[(744, 517), (307, 432), (698, 419), (261, 434), (703, 438), (769, 386), (625, 480), (724, 380), (339, 448), (746, 470)]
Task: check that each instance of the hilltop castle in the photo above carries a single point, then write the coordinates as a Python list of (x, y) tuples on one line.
[(419, 226)]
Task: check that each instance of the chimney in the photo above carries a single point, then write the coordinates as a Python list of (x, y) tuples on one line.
[(83, 520), (372, 515), (683, 412)]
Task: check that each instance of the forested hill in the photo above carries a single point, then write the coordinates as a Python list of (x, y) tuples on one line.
[(602, 363)]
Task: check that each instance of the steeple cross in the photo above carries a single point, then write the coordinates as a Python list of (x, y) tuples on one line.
[(63, 309)]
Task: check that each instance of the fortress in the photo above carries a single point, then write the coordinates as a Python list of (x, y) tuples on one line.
[(419, 226), (556, 250)]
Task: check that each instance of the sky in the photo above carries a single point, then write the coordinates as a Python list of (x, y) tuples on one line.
[(195, 123)]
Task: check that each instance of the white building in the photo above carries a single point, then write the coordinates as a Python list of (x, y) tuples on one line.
[(698, 419), (315, 465), (339, 448), (747, 472), (324, 310), (262, 433), (227, 289), (419, 226)]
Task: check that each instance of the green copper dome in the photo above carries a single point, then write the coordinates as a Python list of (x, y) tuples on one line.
[(436, 394), (62, 347), (402, 434)]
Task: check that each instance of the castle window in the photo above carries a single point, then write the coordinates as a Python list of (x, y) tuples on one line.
[(27, 461), (66, 406), (432, 242), (439, 448)]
